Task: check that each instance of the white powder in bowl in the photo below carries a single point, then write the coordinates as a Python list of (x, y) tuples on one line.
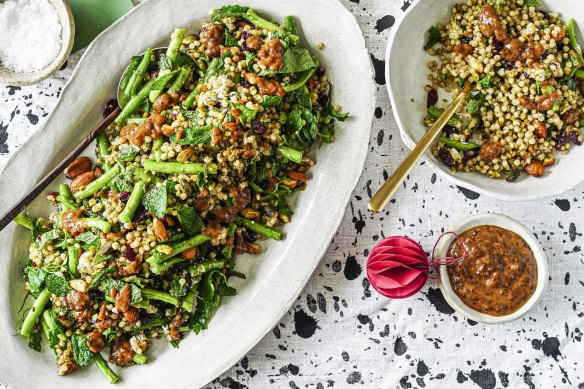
[(30, 34)]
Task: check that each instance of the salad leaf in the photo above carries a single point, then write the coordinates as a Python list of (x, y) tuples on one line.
[(88, 239), (247, 115), (190, 221), (35, 277), (55, 329), (475, 102), (99, 277), (230, 40), (271, 101), (35, 339), (128, 153), (531, 3), (176, 289), (250, 58), (81, 352), (194, 136), (48, 236), (295, 60), (156, 200), (485, 81), (122, 182), (434, 37), (57, 284), (109, 283), (208, 300)]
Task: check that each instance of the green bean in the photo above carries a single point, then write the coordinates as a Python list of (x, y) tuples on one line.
[(180, 79), (156, 147), (261, 229), (34, 313), (289, 153), (134, 63), (66, 204), (103, 149), (436, 112), (571, 31), (462, 146), (64, 191), (23, 220), (73, 261), (134, 103), (98, 184), (103, 366), (133, 202), (93, 222), (138, 75), (175, 42), (205, 266), (136, 120), (290, 24), (176, 248), (191, 97), (155, 323), (140, 359), (179, 168), (579, 73), (158, 295)]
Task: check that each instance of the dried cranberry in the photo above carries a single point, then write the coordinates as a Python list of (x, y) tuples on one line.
[(320, 71), (323, 100), (146, 317), (432, 98), (448, 130), (244, 46), (245, 35), (249, 236), (124, 196), (574, 138), (497, 45), (465, 39), (258, 126), (446, 157), (560, 47), (508, 64), (129, 254), (95, 294), (244, 83), (110, 106), (140, 215), (469, 154), (561, 139)]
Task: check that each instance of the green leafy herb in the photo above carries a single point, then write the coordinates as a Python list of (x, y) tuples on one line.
[(156, 200), (47, 237), (531, 3), (128, 153), (35, 339), (475, 102), (81, 352), (190, 221), (87, 239), (196, 135), (176, 288), (230, 40), (485, 81), (271, 101), (100, 276), (341, 117), (57, 284), (434, 37), (55, 328), (295, 60), (208, 300), (247, 115), (109, 283), (35, 277), (250, 58), (122, 182)]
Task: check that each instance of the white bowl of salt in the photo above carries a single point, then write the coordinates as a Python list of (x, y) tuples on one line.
[(36, 38)]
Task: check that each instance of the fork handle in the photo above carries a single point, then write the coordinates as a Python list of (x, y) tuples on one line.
[(46, 181)]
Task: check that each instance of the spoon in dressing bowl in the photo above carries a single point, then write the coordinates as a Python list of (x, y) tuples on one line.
[(130, 99)]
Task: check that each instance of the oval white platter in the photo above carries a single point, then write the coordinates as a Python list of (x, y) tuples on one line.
[(406, 73), (276, 277)]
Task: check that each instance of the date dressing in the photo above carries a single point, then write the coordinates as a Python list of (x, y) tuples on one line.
[(498, 275)]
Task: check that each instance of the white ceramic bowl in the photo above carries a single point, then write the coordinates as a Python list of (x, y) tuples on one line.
[(11, 77), (510, 224), (406, 73)]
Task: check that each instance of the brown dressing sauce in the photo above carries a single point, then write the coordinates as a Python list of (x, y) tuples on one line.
[(499, 273)]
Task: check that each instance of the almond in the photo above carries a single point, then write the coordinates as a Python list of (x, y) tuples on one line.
[(81, 181), (160, 230), (250, 213), (535, 168), (189, 254), (97, 172), (77, 167)]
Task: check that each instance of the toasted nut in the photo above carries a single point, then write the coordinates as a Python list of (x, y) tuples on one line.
[(236, 112), (95, 341), (539, 129), (52, 196), (102, 312), (78, 166), (250, 213), (79, 285), (297, 176), (165, 249), (189, 254), (535, 168), (549, 161), (290, 183), (131, 314), (185, 155), (97, 172), (160, 230), (231, 126), (169, 220), (179, 135), (66, 365), (167, 130), (248, 154), (123, 299), (216, 136), (81, 181)]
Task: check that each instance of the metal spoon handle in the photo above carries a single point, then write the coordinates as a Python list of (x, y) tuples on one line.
[(385, 193), (34, 192)]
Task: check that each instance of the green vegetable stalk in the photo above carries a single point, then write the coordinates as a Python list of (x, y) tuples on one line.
[(158, 295), (179, 168), (34, 313), (103, 366), (138, 75), (133, 202), (571, 32), (93, 222), (98, 184), (103, 149), (73, 261), (436, 112), (23, 220), (181, 78), (191, 97), (462, 146), (134, 103), (159, 261), (261, 229), (290, 153), (204, 267)]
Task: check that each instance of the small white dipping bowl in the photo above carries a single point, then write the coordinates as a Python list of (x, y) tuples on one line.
[(12, 77), (406, 71), (509, 224)]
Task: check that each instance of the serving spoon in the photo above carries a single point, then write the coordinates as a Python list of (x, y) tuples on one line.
[(387, 190), (60, 167)]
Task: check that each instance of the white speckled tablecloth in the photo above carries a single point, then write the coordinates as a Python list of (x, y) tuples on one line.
[(340, 332)]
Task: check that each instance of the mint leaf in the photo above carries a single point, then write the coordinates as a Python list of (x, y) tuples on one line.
[(109, 283), (531, 3), (190, 221), (295, 60), (485, 81), (434, 37), (47, 237), (247, 115), (122, 182), (271, 101), (196, 135), (35, 279), (55, 329), (230, 40), (87, 239), (475, 102), (81, 352), (57, 284), (35, 339), (156, 200), (128, 153)]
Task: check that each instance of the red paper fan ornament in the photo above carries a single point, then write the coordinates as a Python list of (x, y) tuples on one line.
[(398, 267)]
